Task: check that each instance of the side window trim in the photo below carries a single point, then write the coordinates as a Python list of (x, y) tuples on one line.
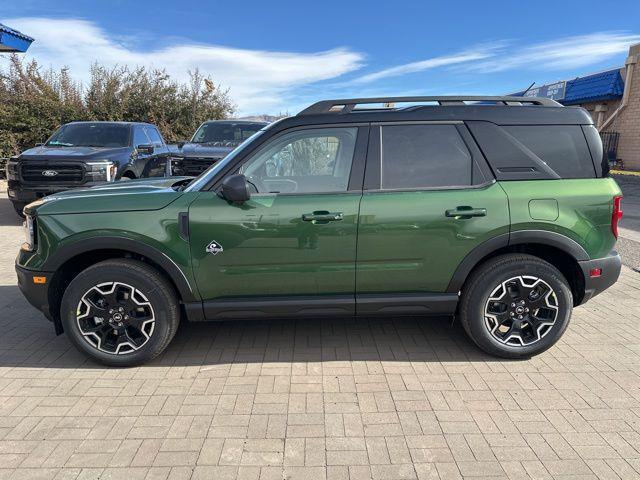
[(358, 163), (373, 180)]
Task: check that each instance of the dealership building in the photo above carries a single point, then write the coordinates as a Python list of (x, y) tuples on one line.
[(612, 98)]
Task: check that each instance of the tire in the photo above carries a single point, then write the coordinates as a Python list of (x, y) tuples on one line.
[(523, 284), (117, 339), (18, 206)]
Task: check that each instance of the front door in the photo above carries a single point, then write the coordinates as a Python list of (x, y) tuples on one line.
[(429, 202), (294, 241)]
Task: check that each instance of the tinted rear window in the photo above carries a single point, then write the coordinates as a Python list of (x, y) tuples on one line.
[(562, 147), (424, 156)]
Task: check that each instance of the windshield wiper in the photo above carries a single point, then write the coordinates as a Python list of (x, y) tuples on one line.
[(59, 144)]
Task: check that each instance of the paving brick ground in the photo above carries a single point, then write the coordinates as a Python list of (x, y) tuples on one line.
[(347, 400)]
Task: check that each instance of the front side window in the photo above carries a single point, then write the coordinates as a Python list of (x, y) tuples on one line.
[(154, 136), (304, 161), (139, 136), (424, 156)]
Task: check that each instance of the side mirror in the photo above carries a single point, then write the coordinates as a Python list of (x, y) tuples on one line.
[(146, 149), (39, 144), (181, 143), (235, 189)]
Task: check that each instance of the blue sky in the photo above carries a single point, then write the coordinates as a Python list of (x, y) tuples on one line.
[(278, 56)]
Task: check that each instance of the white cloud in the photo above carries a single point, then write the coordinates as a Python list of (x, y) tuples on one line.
[(257, 79), (269, 81), (561, 54), (478, 53)]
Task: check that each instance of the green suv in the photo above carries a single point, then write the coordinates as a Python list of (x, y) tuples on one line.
[(497, 210)]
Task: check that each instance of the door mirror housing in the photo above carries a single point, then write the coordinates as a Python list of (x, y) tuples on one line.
[(146, 149), (235, 189)]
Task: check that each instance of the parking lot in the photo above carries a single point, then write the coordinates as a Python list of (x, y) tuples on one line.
[(385, 398)]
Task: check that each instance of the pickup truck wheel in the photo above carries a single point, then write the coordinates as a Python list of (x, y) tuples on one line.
[(516, 306), (120, 312), (18, 206)]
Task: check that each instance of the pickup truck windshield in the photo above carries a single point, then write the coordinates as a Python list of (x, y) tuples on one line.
[(91, 135), (205, 177), (225, 134)]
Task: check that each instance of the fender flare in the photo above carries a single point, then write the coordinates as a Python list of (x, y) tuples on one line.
[(67, 252), (541, 237)]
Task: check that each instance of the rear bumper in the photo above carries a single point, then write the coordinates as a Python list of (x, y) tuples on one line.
[(610, 267)]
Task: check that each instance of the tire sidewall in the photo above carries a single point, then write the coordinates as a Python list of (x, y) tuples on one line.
[(490, 280), (160, 303)]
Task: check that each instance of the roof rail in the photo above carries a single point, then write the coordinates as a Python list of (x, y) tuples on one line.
[(349, 104)]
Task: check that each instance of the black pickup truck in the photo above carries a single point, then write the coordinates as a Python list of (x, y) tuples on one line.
[(213, 141), (83, 154)]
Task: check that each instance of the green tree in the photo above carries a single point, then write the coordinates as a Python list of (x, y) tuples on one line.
[(34, 102)]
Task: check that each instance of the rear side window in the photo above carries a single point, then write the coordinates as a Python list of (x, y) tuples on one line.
[(561, 147), (424, 156), (600, 158)]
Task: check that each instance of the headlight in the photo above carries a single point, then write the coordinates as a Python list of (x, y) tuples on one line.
[(12, 169), (174, 166), (102, 171), (29, 233)]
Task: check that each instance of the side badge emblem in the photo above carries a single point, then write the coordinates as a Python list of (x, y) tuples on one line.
[(214, 248)]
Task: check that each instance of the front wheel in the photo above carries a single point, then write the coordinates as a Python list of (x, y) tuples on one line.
[(120, 312), (516, 306)]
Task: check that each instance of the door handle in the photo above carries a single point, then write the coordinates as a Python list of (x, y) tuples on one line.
[(465, 212), (322, 216)]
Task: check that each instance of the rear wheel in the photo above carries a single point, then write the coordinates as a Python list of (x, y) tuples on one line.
[(516, 306), (120, 312)]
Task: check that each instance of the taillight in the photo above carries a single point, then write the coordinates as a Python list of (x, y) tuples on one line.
[(616, 215)]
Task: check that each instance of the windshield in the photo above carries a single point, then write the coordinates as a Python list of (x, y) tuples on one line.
[(204, 178), (106, 135), (225, 134)]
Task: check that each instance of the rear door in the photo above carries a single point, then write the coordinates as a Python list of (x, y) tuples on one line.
[(429, 200)]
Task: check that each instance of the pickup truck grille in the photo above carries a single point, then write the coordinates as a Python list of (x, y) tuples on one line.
[(193, 166), (43, 173)]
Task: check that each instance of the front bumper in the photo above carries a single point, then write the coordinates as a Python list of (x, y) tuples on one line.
[(610, 267), (21, 193), (35, 287)]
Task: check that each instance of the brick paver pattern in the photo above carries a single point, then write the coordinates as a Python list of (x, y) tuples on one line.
[(344, 399)]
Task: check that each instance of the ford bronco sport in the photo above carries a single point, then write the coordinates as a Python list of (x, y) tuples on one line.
[(497, 210)]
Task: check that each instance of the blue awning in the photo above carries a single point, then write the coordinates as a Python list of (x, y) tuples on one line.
[(13, 41), (597, 87), (594, 88)]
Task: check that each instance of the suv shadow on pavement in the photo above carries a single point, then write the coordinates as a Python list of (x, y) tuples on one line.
[(28, 342), (7, 215)]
